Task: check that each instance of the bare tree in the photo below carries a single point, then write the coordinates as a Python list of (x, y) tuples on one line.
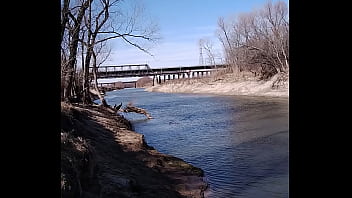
[(93, 23), (207, 45), (73, 26), (64, 17), (227, 44), (258, 41), (276, 15), (101, 30)]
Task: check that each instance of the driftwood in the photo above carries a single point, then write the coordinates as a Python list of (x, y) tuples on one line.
[(117, 107), (129, 108)]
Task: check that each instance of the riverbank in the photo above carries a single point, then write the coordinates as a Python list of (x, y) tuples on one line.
[(246, 85), (102, 157)]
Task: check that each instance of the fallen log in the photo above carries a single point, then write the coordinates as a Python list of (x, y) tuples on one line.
[(117, 107), (130, 108)]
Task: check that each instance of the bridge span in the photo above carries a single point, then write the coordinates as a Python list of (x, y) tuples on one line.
[(158, 74)]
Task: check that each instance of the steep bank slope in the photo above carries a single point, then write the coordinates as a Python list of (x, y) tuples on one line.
[(102, 157)]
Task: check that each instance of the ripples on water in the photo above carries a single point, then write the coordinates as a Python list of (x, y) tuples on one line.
[(240, 142)]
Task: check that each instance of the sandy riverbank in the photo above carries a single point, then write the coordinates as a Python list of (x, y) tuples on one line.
[(225, 85), (102, 157)]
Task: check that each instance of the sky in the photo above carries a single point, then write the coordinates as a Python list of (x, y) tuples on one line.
[(182, 23)]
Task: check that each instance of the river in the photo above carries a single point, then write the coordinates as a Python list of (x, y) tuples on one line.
[(240, 142)]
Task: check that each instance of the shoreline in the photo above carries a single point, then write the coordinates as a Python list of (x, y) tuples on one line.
[(102, 156), (226, 86)]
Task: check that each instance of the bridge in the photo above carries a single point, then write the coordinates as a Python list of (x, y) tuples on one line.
[(142, 70)]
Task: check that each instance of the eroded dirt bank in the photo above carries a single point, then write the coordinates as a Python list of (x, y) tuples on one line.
[(277, 86), (102, 157)]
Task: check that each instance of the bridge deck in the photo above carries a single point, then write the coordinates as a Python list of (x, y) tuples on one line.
[(120, 71)]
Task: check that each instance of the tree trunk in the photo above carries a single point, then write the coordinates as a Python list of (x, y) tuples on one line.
[(101, 98), (64, 19), (86, 94), (286, 58), (73, 50)]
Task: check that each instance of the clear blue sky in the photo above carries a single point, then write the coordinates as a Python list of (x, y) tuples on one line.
[(182, 23)]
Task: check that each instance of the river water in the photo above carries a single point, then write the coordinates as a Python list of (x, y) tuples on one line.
[(240, 142)]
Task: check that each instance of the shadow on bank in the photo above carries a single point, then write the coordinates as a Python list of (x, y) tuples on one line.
[(95, 163)]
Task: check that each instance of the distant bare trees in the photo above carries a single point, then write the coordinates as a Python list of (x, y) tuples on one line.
[(86, 25), (257, 41), (207, 45)]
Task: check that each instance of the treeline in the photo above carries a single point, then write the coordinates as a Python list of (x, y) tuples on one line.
[(86, 27), (257, 41)]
